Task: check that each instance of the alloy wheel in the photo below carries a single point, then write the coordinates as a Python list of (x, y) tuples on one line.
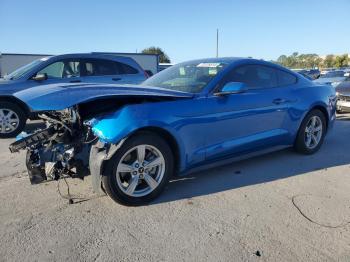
[(313, 132), (140, 170), (9, 121)]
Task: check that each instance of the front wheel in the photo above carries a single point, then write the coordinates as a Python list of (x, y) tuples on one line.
[(12, 119), (138, 172), (311, 133)]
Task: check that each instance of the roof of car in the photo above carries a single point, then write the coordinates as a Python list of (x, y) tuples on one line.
[(217, 60), (230, 60), (90, 55), (239, 60)]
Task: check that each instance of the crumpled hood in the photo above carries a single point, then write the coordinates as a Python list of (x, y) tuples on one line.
[(61, 96)]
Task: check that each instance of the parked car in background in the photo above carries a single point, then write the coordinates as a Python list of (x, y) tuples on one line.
[(326, 70), (310, 74), (163, 66), (343, 95), (314, 73), (71, 68), (303, 73), (333, 78), (193, 115)]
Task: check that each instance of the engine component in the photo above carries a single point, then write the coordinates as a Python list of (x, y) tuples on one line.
[(59, 150)]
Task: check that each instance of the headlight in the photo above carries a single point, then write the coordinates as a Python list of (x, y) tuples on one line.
[(91, 122), (337, 93)]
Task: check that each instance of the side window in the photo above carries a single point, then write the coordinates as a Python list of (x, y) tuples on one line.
[(100, 67), (285, 78), (54, 70), (126, 69), (62, 69), (254, 76), (71, 69)]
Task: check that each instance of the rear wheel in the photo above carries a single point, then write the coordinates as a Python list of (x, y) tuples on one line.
[(311, 133), (139, 170), (12, 119)]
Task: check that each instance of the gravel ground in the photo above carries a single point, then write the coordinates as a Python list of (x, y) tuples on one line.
[(278, 207)]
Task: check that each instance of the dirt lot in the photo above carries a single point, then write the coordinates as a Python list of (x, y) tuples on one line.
[(277, 207)]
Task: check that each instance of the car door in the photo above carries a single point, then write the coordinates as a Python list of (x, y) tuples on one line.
[(62, 71), (103, 71), (250, 121)]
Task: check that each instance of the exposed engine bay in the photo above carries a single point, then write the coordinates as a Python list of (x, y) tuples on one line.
[(58, 149)]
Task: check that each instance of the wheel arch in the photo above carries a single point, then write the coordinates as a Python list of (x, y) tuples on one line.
[(324, 112), (14, 100), (168, 137), (319, 107)]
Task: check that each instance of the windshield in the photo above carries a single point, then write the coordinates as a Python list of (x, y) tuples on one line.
[(23, 70), (333, 74), (187, 77)]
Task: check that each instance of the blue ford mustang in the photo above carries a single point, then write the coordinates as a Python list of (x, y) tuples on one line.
[(190, 116)]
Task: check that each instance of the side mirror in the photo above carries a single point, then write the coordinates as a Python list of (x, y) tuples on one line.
[(232, 88), (40, 77)]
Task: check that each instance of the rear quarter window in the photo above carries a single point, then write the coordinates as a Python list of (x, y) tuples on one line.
[(285, 78), (254, 76)]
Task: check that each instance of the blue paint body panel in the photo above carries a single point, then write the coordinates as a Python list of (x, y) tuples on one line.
[(207, 128)]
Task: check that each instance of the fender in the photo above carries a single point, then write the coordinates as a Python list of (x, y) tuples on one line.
[(117, 126)]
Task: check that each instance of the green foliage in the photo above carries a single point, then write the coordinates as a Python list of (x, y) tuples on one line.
[(297, 60), (341, 61), (163, 57), (329, 61)]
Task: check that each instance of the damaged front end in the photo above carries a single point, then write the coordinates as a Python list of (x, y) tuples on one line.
[(61, 149), (85, 125)]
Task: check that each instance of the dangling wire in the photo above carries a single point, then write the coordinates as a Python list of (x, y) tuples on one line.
[(68, 196)]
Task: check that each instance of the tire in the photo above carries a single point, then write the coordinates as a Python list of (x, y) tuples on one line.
[(16, 114), (126, 158), (303, 137)]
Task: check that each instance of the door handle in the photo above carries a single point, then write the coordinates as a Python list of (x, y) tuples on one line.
[(75, 81), (116, 79), (279, 101)]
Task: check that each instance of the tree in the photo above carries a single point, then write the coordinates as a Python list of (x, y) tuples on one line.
[(329, 61), (163, 57), (341, 61), (282, 60), (297, 60)]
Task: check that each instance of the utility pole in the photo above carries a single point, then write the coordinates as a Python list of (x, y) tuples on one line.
[(217, 42)]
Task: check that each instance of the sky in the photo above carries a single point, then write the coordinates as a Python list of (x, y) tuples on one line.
[(184, 29)]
